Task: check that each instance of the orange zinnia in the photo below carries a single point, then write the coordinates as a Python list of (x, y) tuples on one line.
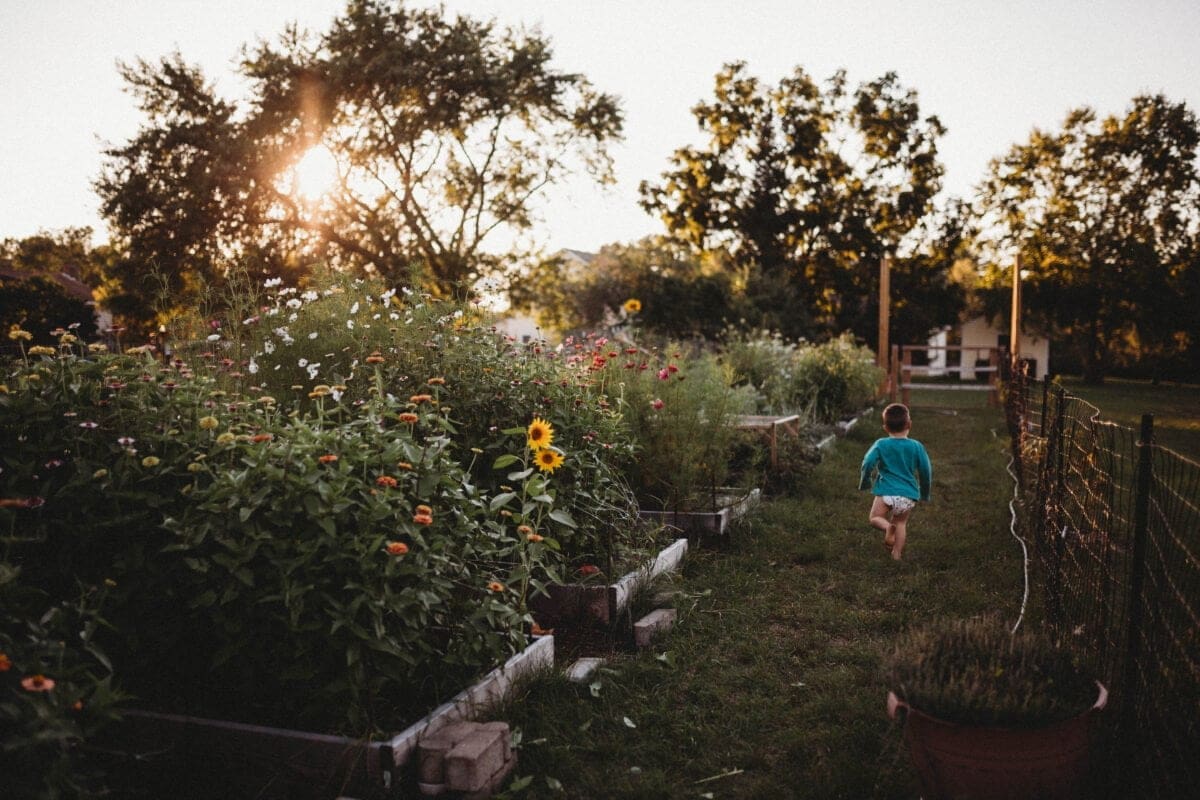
[(387, 481), (375, 358), (328, 458), (258, 438), (5, 662), (534, 537), (409, 417), (397, 548), (524, 530), (420, 398), (496, 586), (423, 519), (403, 465)]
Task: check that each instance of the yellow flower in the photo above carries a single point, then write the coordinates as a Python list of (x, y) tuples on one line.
[(540, 434), (208, 423), (320, 390), (16, 333), (226, 438), (548, 459), (266, 400), (97, 348), (100, 474), (195, 466), (3, 388), (41, 350), (68, 338), (633, 305), (150, 461)]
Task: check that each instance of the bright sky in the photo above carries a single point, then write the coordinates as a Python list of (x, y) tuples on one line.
[(990, 69)]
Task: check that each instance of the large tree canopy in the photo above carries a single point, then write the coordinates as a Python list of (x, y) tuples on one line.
[(803, 189), (435, 133), (1106, 213)]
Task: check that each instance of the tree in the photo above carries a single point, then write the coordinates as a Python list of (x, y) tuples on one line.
[(680, 297), (436, 133), (803, 189), (1105, 215), (47, 282)]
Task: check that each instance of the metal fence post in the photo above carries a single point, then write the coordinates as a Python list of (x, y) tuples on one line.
[(1053, 505), (1137, 573)]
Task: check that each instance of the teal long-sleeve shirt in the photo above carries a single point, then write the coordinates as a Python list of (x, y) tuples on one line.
[(899, 466)]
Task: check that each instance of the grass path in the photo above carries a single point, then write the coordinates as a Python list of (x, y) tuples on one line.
[(771, 686)]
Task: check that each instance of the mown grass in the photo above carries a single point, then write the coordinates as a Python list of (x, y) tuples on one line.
[(771, 685), (1175, 406)]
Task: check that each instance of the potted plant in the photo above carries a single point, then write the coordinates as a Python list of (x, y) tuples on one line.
[(989, 714)]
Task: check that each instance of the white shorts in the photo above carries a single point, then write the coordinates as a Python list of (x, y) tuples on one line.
[(898, 505)]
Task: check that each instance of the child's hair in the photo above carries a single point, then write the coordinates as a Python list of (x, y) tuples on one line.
[(895, 417)]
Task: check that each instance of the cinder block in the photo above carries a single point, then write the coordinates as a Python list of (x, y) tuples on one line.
[(494, 782), (432, 751), (581, 670), (476, 758), (431, 789), (646, 629)]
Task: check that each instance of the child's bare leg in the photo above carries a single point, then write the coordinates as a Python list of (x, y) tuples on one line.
[(879, 514), (899, 532)]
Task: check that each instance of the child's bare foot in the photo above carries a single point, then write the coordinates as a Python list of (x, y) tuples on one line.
[(889, 538)]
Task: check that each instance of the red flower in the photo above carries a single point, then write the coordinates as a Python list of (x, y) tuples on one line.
[(259, 438), (396, 548), (328, 458), (387, 481), (496, 586), (588, 569)]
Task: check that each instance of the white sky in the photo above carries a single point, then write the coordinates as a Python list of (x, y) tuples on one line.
[(990, 69)]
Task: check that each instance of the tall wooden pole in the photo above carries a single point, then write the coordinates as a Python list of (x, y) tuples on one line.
[(1014, 333), (885, 295)]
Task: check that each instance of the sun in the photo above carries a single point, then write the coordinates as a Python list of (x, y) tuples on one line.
[(315, 174)]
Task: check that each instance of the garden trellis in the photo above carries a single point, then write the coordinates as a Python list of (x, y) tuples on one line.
[(1114, 523)]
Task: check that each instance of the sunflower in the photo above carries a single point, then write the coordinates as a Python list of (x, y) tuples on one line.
[(540, 434), (632, 305), (548, 460)]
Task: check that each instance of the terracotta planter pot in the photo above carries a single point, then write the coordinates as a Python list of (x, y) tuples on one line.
[(956, 762)]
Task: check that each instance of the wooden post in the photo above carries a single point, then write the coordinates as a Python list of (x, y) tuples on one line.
[(895, 373), (905, 373), (1014, 330)]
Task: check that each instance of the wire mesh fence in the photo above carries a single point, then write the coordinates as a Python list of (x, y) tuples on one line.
[(1113, 521)]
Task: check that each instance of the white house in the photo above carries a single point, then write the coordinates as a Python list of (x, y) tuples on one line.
[(982, 333)]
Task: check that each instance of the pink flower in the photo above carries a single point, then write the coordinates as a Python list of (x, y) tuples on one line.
[(664, 375), (656, 404)]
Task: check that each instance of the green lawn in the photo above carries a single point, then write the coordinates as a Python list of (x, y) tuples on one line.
[(1176, 408), (771, 686)]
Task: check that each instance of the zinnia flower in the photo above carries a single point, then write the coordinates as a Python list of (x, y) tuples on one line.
[(524, 530), (423, 519), (656, 404), (436, 381), (5, 662), (588, 569), (375, 358), (226, 438), (15, 333), (548, 459), (208, 423), (423, 509), (632, 305), (421, 398), (539, 434), (41, 350), (150, 461), (496, 586), (386, 481), (37, 683), (259, 438), (328, 458), (404, 465), (534, 537), (409, 418), (396, 548)]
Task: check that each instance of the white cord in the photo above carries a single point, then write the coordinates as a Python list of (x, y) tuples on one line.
[(1012, 509)]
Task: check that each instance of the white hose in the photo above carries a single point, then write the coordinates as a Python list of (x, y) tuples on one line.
[(1012, 508)]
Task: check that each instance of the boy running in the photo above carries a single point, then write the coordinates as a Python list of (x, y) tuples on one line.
[(897, 471)]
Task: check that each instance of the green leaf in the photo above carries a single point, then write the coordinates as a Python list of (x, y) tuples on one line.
[(501, 500), (562, 517), (508, 459), (512, 431), (520, 476), (629, 723)]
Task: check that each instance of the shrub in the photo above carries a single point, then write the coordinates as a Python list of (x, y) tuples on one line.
[(975, 672), (340, 532), (827, 380)]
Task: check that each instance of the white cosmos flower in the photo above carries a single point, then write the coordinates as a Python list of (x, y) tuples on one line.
[(294, 303), (268, 346), (310, 296), (350, 324), (271, 283), (313, 369), (354, 308), (312, 335), (252, 367), (302, 362)]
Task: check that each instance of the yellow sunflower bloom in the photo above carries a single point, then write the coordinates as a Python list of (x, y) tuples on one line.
[(540, 434), (633, 305), (547, 459)]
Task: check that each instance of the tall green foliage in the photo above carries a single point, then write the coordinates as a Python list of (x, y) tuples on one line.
[(1104, 212), (442, 130)]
